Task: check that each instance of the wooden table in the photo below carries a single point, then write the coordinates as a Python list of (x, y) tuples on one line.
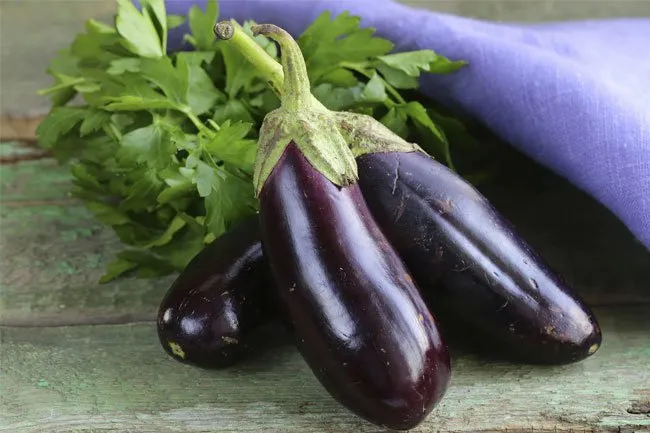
[(79, 356)]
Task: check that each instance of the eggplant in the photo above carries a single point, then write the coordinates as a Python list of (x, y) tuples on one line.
[(471, 263), (350, 304), (210, 315), (355, 313)]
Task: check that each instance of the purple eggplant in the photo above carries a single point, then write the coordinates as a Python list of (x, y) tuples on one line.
[(472, 264), (354, 312), (357, 317), (210, 314)]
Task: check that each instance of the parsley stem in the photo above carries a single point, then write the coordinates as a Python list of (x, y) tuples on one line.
[(195, 120)]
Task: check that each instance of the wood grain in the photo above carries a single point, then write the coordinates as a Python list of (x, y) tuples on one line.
[(118, 379)]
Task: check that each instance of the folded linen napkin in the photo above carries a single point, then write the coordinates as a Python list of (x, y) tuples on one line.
[(573, 96)]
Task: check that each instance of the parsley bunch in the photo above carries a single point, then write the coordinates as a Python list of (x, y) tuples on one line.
[(161, 144)]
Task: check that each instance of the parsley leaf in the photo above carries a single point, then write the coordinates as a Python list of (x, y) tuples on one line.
[(139, 33), (201, 24), (146, 145), (161, 145), (410, 63), (143, 191), (374, 91), (200, 94), (221, 209), (229, 144), (396, 121), (397, 77), (443, 65), (58, 123), (327, 43), (116, 268), (172, 81), (94, 120), (435, 141)]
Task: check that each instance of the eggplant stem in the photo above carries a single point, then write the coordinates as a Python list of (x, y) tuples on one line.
[(297, 90)]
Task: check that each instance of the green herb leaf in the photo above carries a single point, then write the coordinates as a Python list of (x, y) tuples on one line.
[(84, 179), (138, 30), (178, 187), (201, 94), (58, 123), (229, 145), (442, 65), (327, 43), (204, 176), (120, 66), (174, 21), (340, 78), (437, 143), (94, 120), (107, 214), (375, 90), (137, 103), (411, 63), (338, 98), (201, 24), (187, 243), (233, 110), (116, 268), (143, 193), (172, 81), (145, 259), (228, 201), (146, 145), (166, 237), (155, 9), (397, 77), (396, 121), (162, 144)]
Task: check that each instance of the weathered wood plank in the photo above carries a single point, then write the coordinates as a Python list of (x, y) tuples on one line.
[(53, 257), (117, 378), (33, 30)]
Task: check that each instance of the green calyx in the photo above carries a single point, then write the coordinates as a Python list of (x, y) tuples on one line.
[(301, 121), (330, 140), (365, 135)]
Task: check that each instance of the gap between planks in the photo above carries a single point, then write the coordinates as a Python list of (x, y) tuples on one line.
[(19, 128)]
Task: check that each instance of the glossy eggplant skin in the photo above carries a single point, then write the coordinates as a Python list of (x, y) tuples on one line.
[(354, 312), (209, 315), (471, 264)]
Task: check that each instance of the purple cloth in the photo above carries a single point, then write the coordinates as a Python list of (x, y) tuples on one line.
[(573, 96)]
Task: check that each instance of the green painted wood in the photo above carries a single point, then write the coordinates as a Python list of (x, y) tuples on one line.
[(118, 379), (31, 31)]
